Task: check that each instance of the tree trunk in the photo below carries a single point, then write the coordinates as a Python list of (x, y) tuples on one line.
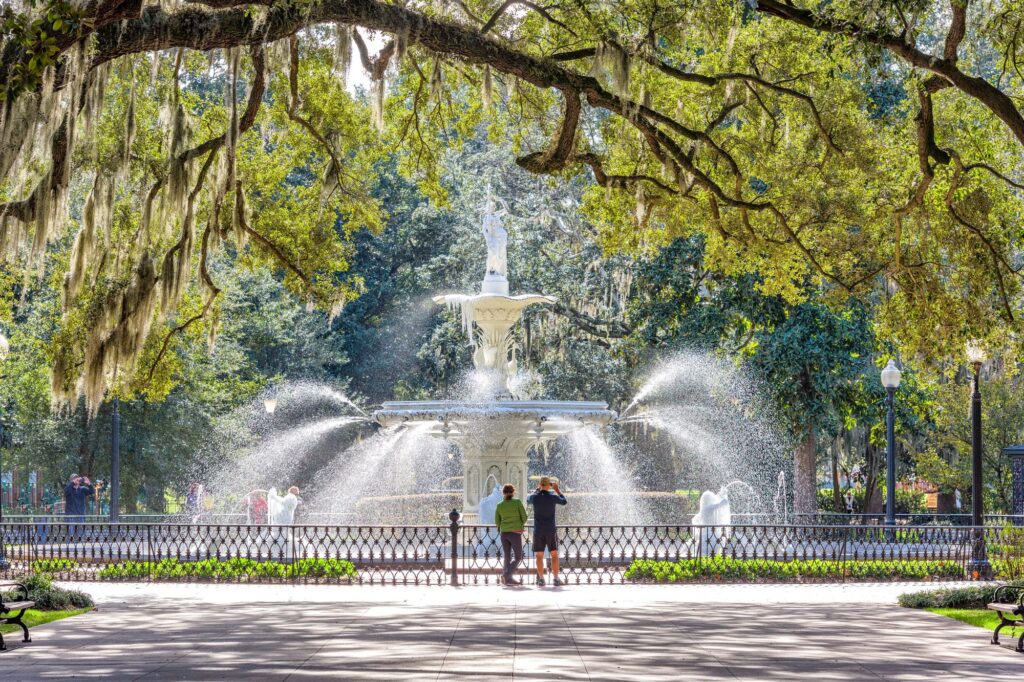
[(130, 497), (872, 493), (805, 486), (84, 450), (837, 494)]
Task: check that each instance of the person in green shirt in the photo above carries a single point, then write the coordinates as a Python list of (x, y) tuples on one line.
[(510, 518)]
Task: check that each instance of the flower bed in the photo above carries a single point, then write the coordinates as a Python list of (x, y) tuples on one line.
[(236, 569), (753, 570)]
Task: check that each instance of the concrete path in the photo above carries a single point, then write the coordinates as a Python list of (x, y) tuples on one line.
[(193, 632)]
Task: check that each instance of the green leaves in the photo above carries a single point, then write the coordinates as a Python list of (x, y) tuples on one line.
[(797, 570), (234, 569), (32, 41)]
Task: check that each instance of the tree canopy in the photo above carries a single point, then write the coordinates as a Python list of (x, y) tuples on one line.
[(846, 148)]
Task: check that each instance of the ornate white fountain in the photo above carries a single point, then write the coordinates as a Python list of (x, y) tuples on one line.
[(495, 435)]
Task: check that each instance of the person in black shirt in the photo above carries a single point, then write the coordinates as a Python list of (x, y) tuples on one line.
[(545, 500)]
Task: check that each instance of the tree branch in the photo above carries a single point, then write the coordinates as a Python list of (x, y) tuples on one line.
[(991, 97), (525, 3), (266, 243), (560, 153)]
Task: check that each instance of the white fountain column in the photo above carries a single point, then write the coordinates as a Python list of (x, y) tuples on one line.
[(491, 460)]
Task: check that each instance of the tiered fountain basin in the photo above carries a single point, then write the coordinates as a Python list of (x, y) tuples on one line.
[(496, 436)]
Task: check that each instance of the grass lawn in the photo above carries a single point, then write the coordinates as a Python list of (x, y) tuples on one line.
[(983, 618), (34, 617)]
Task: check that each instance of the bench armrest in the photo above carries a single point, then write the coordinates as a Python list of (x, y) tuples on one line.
[(1010, 591), (10, 586)]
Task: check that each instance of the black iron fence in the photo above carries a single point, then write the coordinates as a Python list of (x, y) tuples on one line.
[(318, 518), (457, 554)]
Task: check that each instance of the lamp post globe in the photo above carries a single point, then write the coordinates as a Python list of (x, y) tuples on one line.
[(269, 405), (890, 381)]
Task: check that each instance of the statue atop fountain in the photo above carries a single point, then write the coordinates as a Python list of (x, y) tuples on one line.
[(488, 317), (496, 237)]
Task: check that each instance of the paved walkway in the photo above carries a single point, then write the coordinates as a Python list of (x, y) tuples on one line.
[(157, 632)]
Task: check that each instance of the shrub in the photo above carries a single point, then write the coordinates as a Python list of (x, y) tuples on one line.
[(907, 501), (228, 569), (1006, 552), (973, 597), (49, 597), (726, 568), (50, 566)]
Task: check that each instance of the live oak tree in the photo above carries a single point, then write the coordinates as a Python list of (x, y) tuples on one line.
[(858, 147)]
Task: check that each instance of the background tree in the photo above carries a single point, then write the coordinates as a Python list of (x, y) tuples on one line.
[(769, 127)]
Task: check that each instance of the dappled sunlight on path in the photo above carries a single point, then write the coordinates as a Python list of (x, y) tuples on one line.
[(639, 633)]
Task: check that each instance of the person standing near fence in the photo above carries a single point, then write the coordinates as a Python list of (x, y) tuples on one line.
[(545, 500), (194, 502), (510, 518), (76, 492)]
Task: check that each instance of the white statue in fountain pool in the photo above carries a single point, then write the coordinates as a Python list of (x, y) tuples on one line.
[(714, 517), (282, 517), (488, 505)]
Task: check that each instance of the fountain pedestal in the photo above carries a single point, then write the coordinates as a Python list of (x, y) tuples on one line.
[(495, 437), (487, 319)]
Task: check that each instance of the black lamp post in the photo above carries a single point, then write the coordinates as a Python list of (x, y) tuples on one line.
[(891, 381), (979, 562), (5, 348)]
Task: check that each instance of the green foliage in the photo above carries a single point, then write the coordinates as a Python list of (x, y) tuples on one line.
[(816, 361), (947, 458), (50, 597), (37, 37), (51, 566), (973, 597), (34, 617), (982, 618), (798, 570), (907, 501), (1006, 552), (229, 570)]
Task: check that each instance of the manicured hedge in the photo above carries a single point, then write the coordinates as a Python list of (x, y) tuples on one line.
[(228, 569), (49, 597), (54, 566), (726, 568), (973, 597)]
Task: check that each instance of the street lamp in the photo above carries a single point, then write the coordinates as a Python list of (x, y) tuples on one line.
[(5, 349), (269, 405), (891, 381), (115, 461), (979, 562)]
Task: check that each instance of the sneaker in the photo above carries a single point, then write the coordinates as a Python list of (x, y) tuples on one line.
[(540, 582), (512, 581), (557, 582)]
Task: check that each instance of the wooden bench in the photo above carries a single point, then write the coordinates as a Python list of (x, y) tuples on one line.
[(1008, 602), (8, 607)]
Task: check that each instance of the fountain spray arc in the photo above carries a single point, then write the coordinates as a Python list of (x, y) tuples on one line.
[(495, 435)]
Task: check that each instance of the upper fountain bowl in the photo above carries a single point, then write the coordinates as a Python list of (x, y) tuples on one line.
[(543, 419)]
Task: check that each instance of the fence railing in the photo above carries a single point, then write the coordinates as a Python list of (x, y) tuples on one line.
[(318, 518), (457, 554), (862, 519)]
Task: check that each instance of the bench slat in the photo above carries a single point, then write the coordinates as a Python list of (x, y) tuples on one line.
[(16, 605), (1009, 608)]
